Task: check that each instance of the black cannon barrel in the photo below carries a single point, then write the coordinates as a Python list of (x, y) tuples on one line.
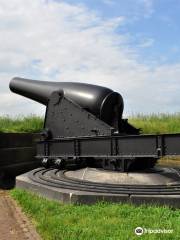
[(100, 101)]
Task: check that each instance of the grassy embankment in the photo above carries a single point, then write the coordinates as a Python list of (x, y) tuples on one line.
[(28, 124), (155, 123), (103, 221)]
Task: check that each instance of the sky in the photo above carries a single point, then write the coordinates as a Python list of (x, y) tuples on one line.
[(130, 46)]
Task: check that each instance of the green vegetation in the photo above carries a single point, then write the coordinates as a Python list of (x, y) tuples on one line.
[(102, 221), (157, 123), (21, 124)]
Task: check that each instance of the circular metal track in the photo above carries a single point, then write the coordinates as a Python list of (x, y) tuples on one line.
[(57, 178)]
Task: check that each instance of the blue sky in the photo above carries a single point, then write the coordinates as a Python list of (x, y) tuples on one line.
[(150, 23), (131, 46)]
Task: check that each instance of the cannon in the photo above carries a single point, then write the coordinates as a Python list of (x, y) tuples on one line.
[(84, 126), (102, 102)]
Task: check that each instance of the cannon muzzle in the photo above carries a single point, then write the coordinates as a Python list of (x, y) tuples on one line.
[(103, 102)]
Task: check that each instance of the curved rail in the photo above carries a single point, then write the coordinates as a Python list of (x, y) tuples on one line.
[(56, 178)]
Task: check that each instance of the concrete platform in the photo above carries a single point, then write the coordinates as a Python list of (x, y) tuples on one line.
[(70, 194), (66, 195), (156, 176)]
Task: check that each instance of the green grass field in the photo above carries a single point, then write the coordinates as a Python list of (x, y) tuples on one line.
[(102, 221)]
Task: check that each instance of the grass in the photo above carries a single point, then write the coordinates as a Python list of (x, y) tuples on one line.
[(102, 221), (157, 123), (28, 124), (150, 124)]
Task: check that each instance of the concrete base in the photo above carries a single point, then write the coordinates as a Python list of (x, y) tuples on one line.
[(85, 197), (155, 176), (66, 195)]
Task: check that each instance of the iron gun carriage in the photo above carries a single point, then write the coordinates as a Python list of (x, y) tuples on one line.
[(84, 126)]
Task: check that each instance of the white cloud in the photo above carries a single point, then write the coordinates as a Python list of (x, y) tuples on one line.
[(109, 2), (134, 8), (148, 42), (57, 41), (148, 7), (138, 9)]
